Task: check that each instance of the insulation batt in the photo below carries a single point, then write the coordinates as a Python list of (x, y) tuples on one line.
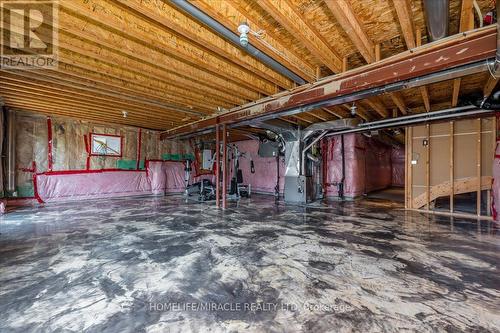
[(369, 165), (160, 177)]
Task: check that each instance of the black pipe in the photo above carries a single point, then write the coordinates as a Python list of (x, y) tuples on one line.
[(235, 39)]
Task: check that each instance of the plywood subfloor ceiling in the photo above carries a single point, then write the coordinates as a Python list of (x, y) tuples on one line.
[(165, 69)]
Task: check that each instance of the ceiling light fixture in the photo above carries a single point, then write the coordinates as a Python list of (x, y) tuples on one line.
[(353, 109), (243, 29)]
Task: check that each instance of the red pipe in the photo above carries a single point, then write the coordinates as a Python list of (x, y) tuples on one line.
[(86, 139), (49, 144)]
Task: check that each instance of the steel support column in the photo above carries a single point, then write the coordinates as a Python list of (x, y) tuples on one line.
[(224, 165), (217, 166)]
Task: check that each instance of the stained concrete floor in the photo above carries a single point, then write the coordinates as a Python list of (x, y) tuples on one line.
[(160, 265)]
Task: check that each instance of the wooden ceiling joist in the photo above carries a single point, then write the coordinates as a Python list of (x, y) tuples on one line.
[(349, 21), (377, 105), (135, 30), (101, 59), (466, 24), (230, 15), (397, 98), (451, 52), (284, 13), (73, 110), (80, 108), (346, 17), (50, 78), (169, 18), (87, 99), (404, 13)]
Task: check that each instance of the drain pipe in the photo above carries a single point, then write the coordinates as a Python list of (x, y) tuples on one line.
[(235, 39)]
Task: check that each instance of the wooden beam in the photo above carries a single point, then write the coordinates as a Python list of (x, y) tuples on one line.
[(284, 13), (345, 64), (466, 24), (168, 18), (54, 80), (69, 93), (423, 89), (466, 16), (377, 104), (455, 51), (455, 92), (49, 97), (336, 112), (63, 112), (349, 21), (397, 98), (231, 14), (405, 14), (490, 85), (77, 111), (121, 23)]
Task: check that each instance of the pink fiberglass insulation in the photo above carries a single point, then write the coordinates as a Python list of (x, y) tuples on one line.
[(161, 177), (378, 169), (354, 148), (91, 185), (175, 177), (264, 178), (166, 176), (496, 185), (368, 165), (398, 166)]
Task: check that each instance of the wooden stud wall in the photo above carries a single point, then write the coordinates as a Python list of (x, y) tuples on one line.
[(466, 168)]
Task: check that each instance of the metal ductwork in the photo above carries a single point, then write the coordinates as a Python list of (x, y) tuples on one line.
[(11, 152), (330, 126), (437, 18), (205, 19)]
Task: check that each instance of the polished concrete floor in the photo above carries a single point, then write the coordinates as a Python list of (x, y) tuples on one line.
[(161, 265)]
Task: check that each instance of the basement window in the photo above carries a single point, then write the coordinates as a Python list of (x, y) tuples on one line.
[(106, 145)]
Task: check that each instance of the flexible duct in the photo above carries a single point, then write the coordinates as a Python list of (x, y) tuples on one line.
[(437, 18), (235, 39)]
